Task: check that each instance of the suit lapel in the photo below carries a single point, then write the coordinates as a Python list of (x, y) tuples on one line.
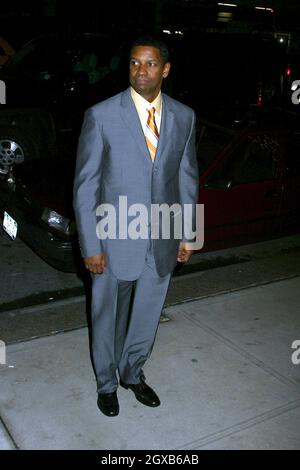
[(166, 127), (131, 120)]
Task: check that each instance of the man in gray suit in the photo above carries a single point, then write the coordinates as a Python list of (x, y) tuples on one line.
[(139, 144)]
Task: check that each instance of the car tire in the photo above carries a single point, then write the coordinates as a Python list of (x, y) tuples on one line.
[(15, 147)]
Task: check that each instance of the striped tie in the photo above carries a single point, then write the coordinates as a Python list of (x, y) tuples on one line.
[(151, 133)]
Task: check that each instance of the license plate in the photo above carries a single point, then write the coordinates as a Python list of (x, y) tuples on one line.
[(10, 225)]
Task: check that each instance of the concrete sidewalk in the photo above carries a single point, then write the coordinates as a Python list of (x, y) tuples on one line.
[(222, 368)]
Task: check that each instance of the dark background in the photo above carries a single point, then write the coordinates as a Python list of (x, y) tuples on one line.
[(21, 20)]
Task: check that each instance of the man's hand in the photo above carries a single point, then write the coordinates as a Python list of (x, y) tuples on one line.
[(183, 253), (95, 264)]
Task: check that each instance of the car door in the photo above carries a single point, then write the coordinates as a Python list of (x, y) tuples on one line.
[(242, 192)]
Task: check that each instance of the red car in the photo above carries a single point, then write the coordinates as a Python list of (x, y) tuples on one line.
[(249, 182)]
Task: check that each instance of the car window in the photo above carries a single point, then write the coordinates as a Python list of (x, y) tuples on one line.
[(255, 159), (39, 56), (94, 61), (293, 154), (210, 141)]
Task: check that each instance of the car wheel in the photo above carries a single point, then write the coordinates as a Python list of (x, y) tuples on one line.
[(15, 148)]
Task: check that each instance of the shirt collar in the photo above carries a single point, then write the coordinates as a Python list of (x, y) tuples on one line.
[(140, 102)]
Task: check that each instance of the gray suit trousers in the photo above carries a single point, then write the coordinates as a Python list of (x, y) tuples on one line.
[(124, 327)]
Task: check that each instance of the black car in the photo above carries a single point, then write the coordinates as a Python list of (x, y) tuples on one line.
[(36, 205), (49, 83)]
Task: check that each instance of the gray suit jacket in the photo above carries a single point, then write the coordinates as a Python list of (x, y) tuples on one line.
[(113, 160)]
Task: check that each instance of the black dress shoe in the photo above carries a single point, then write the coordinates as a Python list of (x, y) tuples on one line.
[(108, 403), (143, 393)]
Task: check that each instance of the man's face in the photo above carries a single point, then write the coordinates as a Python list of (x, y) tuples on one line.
[(146, 71)]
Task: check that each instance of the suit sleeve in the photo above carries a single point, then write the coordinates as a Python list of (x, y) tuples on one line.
[(87, 184), (189, 183)]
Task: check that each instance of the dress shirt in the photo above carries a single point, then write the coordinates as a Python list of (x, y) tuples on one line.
[(142, 107)]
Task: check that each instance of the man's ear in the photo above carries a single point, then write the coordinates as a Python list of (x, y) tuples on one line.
[(166, 69)]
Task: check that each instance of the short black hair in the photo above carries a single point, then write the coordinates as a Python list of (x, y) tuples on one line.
[(152, 42)]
